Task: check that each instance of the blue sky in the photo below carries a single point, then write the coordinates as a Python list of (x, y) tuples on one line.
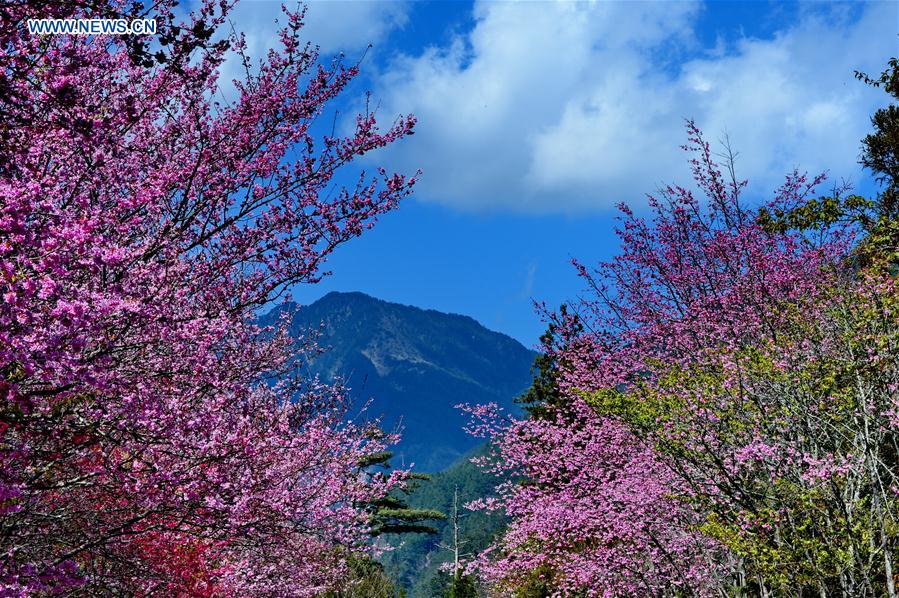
[(537, 118)]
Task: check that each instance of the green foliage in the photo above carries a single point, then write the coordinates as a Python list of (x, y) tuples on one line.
[(880, 247), (818, 213), (537, 585), (376, 459), (802, 552), (544, 390), (438, 584), (880, 154), (403, 520), (642, 413)]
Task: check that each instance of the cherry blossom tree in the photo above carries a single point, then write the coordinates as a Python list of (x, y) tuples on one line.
[(147, 443), (593, 510), (724, 418)]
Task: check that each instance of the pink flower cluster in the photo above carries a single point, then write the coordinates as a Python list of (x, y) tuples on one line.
[(689, 381), (153, 438), (593, 512)]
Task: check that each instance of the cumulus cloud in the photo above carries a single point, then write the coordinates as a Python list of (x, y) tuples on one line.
[(577, 106)]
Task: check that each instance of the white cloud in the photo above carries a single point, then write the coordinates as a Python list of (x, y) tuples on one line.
[(577, 106)]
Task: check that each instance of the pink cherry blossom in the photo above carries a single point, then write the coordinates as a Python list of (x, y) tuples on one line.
[(153, 438)]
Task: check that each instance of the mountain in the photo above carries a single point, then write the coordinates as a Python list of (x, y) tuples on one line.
[(415, 365)]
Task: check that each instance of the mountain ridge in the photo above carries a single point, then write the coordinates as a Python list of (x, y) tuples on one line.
[(414, 365)]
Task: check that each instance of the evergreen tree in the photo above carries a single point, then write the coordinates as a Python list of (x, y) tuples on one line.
[(391, 514), (543, 396), (880, 152)]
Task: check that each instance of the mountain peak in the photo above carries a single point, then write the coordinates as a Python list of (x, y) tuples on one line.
[(349, 296), (415, 365)]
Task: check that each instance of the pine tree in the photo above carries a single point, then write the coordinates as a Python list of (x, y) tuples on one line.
[(391, 514), (543, 397)]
